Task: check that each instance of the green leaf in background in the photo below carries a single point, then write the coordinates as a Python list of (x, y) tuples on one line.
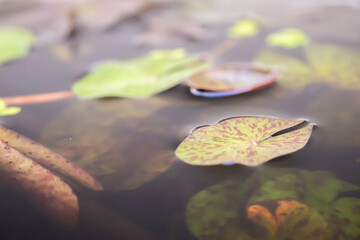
[(139, 78), (325, 63), (288, 38), (244, 28), (15, 43), (302, 197), (7, 111)]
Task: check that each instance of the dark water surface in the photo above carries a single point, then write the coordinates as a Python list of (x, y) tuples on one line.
[(128, 144)]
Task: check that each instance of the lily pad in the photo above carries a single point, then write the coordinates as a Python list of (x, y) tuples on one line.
[(288, 38), (298, 203), (6, 111), (15, 43), (244, 28), (332, 64), (230, 80), (46, 191), (243, 140), (138, 78)]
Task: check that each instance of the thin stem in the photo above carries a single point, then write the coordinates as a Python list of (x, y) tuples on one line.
[(38, 98), (221, 48)]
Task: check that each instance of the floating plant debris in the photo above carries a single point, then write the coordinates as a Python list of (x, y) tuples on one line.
[(288, 38), (45, 190), (275, 200), (244, 28), (15, 43), (6, 111), (325, 63), (243, 140), (141, 77), (48, 158), (230, 80)]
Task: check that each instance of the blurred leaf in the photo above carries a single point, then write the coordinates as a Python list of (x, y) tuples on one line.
[(244, 28), (337, 65), (99, 15), (288, 38), (138, 78), (332, 64), (46, 191), (7, 111), (246, 140), (15, 43)]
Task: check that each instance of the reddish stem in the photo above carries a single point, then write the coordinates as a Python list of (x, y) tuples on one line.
[(215, 52), (38, 98)]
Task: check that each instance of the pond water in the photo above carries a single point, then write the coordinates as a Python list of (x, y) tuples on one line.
[(128, 145)]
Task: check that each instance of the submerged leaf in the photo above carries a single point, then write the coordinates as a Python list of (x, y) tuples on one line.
[(298, 221), (46, 157), (123, 151), (263, 218), (137, 78), (244, 28), (288, 38), (297, 204), (7, 111), (246, 140), (15, 43), (48, 192)]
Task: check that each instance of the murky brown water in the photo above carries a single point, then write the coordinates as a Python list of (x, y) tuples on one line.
[(128, 144)]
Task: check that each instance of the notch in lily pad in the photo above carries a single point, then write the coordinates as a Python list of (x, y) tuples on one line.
[(248, 141), (230, 80)]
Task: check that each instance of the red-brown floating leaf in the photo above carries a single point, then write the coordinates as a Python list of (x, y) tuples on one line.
[(242, 140), (228, 78), (46, 191), (48, 158)]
